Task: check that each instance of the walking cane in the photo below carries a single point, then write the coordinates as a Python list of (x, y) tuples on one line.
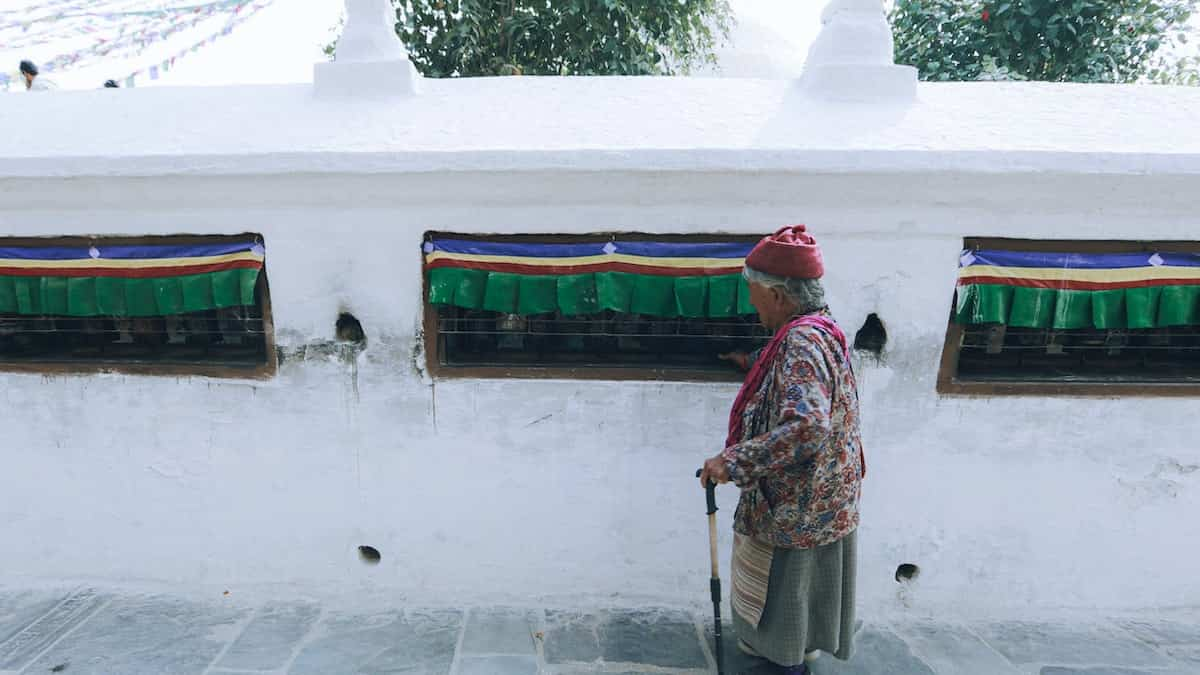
[(714, 584)]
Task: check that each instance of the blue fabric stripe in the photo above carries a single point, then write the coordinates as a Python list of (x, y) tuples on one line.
[(731, 250), (518, 250), (148, 252), (1081, 261), (654, 249)]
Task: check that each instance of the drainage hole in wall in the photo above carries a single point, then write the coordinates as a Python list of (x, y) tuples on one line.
[(872, 337), (348, 328), (907, 572), (369, 555)]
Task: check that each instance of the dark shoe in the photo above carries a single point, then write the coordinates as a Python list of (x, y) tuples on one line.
[(773, 669)]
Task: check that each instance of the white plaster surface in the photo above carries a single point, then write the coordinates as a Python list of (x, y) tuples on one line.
[(646, 124), (581, 493), (578, 491)]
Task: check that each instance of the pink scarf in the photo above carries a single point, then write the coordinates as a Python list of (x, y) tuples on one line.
[(758, 372)]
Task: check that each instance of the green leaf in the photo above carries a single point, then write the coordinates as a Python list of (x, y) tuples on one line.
[(1056, 40), (451, 38)]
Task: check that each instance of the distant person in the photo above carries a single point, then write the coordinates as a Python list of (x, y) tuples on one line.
[(111, 84), (33, 82)]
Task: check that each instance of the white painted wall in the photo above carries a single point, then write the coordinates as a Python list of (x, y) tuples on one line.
[(582, 492)]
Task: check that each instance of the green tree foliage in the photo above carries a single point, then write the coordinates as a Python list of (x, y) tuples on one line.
[(450, 38), (1045, 40)]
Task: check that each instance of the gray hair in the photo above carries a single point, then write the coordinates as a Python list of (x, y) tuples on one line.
[(807, 294)]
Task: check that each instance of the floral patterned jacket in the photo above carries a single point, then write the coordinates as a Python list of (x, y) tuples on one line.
[(799, 463)]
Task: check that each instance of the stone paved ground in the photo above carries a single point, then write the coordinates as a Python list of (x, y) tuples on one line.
[(85, 630)]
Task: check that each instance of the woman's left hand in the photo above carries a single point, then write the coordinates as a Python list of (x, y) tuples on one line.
[(739, 359), (714, 470)]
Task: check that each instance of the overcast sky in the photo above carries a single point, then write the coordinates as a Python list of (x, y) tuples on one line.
[(281, 42)]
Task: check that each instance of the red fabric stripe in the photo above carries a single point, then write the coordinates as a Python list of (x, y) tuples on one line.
[(1075, 285), (128, 272), (516, 268)]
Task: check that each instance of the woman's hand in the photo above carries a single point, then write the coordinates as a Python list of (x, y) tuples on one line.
[(714, 470), (739, 359)]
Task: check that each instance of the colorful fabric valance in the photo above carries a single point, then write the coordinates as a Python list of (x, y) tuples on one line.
[(1062, 291), (128, 281), (695, 280)]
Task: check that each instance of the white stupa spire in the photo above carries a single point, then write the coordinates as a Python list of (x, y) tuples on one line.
[(370, 60), (853, 57)]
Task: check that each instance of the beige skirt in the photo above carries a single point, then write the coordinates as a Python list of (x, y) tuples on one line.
[(788, 602)]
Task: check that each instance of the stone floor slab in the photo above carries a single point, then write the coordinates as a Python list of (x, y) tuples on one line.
[(25, 645), (877, 650), (499, 632), (949, 649), (1026, 643), (1163, 632), (594, 671), (145, 636), (1104, 670), (389, 642), (20, 608), (735, 660), (658, 638), (572, 637), (271, 637), (88, 632), (503, 664), (1185, 654)]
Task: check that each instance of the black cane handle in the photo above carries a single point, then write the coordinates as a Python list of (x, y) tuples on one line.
[(710, 493)]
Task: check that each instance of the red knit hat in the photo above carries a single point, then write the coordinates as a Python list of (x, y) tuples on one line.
[(790, 252)]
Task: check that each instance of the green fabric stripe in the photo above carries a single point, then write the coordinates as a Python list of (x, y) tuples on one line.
[(500, 294), (1032, 307), (29, 295), (535, 294), (8, 294), (574, 294), (614, 291), (654, 296), (743, 302), (691, 296), (1131, 308), (1179, 306), (723, 296), (117, 296), (81, 296), (577, 294), (54, 295), (1108, 309)]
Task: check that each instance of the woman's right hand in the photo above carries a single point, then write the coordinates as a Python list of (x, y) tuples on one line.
[(739, 359), (715, 471)]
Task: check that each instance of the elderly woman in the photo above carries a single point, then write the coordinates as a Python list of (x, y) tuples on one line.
[(794, 450)]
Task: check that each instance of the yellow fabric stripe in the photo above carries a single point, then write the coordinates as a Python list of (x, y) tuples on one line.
[(131, 264), (1095, 276), (586, 260)]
